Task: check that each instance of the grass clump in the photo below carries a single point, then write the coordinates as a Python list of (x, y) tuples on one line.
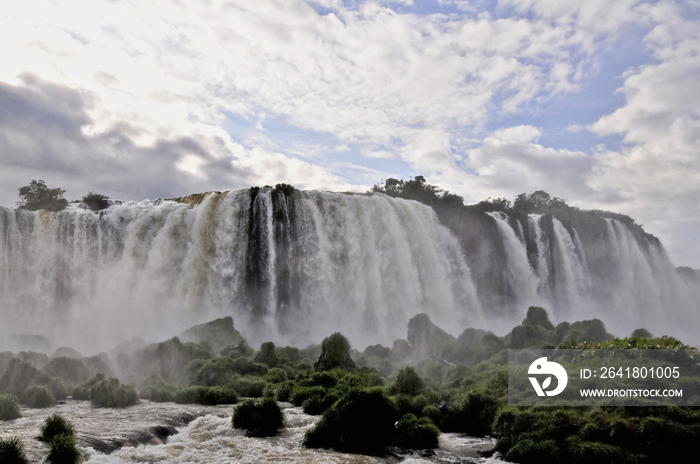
[(9, 407), (55, 425), (252, 387), (38, 396), (259, 418), (63, 449), (12, 451)]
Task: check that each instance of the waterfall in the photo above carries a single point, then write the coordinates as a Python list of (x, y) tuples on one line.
[(289, 266), (295, 266)]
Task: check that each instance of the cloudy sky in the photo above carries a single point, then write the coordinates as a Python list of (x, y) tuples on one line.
[(597, 102)]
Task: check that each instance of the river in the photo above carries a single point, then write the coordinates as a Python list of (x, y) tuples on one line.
[(204, 435)]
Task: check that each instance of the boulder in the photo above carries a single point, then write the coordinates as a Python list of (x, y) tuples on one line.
[(218, 333)]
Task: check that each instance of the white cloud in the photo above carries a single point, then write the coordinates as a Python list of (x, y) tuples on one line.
[(139, 92)]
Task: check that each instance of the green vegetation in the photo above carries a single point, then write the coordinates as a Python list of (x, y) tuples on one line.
[(259, 418), (67, 369), (110, 393), (9, 407), (60, 435), (362, 422), (37, 195), (63, 449), (106, 393), (412, 432), (38, 396), (206, 395), (55, 425), (96, 201), (335, 352), (12, 451)]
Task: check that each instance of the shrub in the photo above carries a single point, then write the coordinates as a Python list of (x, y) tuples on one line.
[(320, 379), (408, 382), (38, 396), (9, 408), (300, 394), (259, 418), (96, 201), (362, 422), (283, 390), (317, 404), (160, 392), (335, 352), (64, 450), (267, 355), (55, 425), (12, 451), (68, 369), (82, 392), (414, 433), (109, 393), (250, 387), (276, 375), (206, 395), (37, 195)]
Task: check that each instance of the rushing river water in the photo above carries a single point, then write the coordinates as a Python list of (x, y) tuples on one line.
[(204, 435)]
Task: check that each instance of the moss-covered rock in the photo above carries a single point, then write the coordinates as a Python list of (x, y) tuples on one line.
[(218, 333)]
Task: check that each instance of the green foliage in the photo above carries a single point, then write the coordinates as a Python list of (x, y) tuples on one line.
[(267, 355), (96, 201), (216, 371), (335, 351), (206, 395), (362, 422), (641, 333), (252, 387), (159, 392), (418, 189), (663, 343), (9, 407), (82, 392), (408, 382), (276, 375), (320, 379), (38, 396), (67, 369), (109, 393), (37, 195), (319, 402), (12, 451), (63, 449), (55, 425), (20, 375), (538, 202), (414, 433), (259, 418)]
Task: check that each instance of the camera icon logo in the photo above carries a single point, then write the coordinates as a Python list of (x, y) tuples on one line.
[(542, 366)]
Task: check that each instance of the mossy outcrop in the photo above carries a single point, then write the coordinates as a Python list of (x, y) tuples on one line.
[(218, 333)]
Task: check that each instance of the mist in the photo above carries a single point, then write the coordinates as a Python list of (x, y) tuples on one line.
[(294, 266)]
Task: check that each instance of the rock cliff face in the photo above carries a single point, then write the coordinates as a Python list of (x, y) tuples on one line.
[(293, 266)]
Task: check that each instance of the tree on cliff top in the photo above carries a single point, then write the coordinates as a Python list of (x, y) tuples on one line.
[(37, 195)]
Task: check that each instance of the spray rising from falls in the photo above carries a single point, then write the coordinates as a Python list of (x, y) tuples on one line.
[(294, 266), (289, 266)]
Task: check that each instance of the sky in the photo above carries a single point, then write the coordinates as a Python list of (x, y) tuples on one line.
[(596, 102)]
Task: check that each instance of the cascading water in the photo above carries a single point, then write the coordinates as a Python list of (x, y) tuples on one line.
[(294, 266), (290, 266)]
